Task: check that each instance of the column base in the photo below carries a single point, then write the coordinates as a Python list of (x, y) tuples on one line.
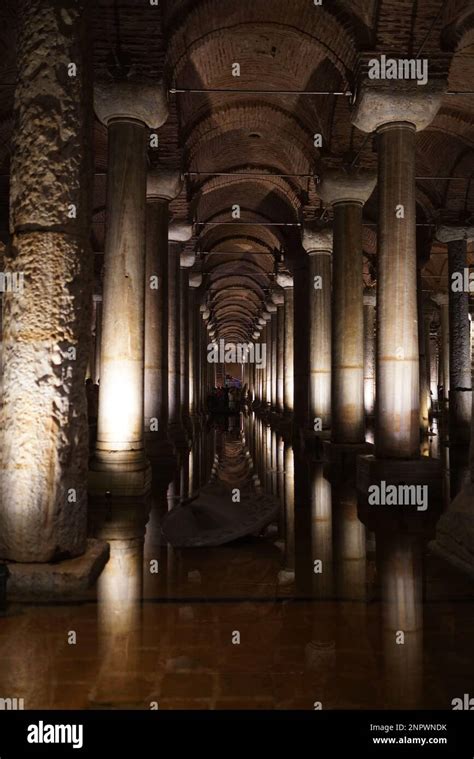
[(419, 517), (454, 540), (70, 579), (119, 483), (341, 461)]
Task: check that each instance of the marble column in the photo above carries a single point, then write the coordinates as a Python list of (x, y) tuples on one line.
[(273, 354), (98, 338), (317, 241), (120, 465), (347, 194), (442, 299), (396, 123), (424, 375), (162, 188), (278, 297), (178, 235), (286, 282), (47, 308), (460, 383), (369, 352), (185, 343), (195, 281)]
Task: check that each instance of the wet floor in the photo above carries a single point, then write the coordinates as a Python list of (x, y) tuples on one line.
[(307, 612)]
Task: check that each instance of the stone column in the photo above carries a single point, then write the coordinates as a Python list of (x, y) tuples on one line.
[(120, 465), (98, 338), (317, 241), (195, 281), (428, 316), (178, 235), (369, 353), (442, 300), (187, 260), (47, 303), (396, 121), (460, 390), (268, 363), (278, 297), (347, 194), (273, 327), (286, 281), (162, 188), (300, 343), (423, 374)]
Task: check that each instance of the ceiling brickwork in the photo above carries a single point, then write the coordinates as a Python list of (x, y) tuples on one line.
[(280, 46)]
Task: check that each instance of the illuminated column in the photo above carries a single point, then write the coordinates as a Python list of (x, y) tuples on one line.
[(460, 383), (369, 353), (120, 465), (185, 343), (47, 309), (317, 241), (279, 300), (347, 194), (268, 363), (195, 281), (442, 300), (428, 317), (396, 121), (162, 188), (286, 281), (98, 337), (423, 372), (179, 234), (273, 353)]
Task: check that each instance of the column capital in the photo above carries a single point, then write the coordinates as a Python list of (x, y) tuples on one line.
[(271, 308), (317, 238), (256, 335), (445, 233), (128, 100), (266, 316), (180, 231), (339, 186), (163, 185), (261, 321), (284, 279), (278, 297), (384, 95), (442, 299), (370, 297), (195, 279), (187, 259)]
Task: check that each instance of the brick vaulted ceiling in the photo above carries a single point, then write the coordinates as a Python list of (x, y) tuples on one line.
[(253, 139)]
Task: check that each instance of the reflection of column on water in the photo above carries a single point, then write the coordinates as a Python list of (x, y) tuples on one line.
[(399, 565), (350, 547), (173, 498), (287, 575), (119, 594), (281, 484), (320, 652)]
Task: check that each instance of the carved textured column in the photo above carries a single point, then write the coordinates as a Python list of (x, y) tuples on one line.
[(47, 310)]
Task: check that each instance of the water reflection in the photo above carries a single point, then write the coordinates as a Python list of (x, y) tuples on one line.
[(313, 607)]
